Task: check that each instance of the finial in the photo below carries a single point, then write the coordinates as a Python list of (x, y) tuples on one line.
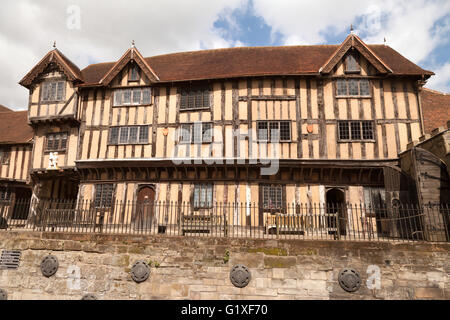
[(132, 44), (54, 44), (385, 41), (351, 29)]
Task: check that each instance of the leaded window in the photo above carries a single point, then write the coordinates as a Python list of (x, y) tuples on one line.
[(272, 196), (134, 73), (56, 142), (195, 98), (274, 131), (355, 130), (198, 132), (351, 63), (132, 97), (353, 87), (128, 135), (53, 91), (5, 155), (203, 196), (104, 195)]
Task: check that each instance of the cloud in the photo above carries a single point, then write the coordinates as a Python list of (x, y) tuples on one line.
[(441, 81), (107, 27)]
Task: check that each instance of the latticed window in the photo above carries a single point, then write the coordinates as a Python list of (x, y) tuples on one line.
[(351, 63), (353, 87), (56, 142), (104, 195), (274, 131), (132, 97), (53, 91), (134, 73), (128, 135), (203, 196), (195, 98), (355, 130), (272, 196), (5, 155), (195, 133)]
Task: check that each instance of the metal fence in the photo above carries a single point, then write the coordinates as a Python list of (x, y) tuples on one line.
[(351, 222)]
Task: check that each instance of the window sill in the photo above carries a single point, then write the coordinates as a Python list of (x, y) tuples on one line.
[(133, 105), (53, 101), (52, 151), (356, 141), (195, 109), (353, 97), (128, 144)]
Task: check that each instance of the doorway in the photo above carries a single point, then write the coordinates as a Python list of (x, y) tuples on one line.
[(145, 208), (337, 211), (21, 204)]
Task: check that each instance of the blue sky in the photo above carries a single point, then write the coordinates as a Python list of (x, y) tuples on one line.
[(418, 29)]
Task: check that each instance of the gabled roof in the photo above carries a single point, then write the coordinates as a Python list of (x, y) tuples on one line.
[(14, 128), (253, 61), (132, 54), (72, 72), (354, 42)]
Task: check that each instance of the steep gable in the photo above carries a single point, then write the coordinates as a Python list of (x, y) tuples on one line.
[(72, 72), (355, 43)]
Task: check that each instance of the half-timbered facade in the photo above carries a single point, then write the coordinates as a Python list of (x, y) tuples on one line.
[(268, 125)]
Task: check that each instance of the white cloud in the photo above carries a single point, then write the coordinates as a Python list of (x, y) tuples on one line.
[(441, 81), (28, 29)]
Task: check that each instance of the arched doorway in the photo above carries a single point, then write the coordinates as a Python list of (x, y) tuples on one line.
[(336, 210), (145, 205)]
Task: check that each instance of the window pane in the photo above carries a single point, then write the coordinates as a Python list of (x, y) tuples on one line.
[(133, 134), (206, 132), (367, 128), (118, 97), (353, 87), (285, 131), (191, 100), (45, 91), (60, 91), (206, 98), (342, 87), (126, 96), (50, 142), (184, 100), (146, 96), (114, 135), (351, 63), (197, 134), (196, 196), (365, 87), (143, 134), (63, 141), (274, 131), (123, 135), (134, 74), (199, 99), (137, 96), (356, 130), (262, 131), (185, 133), (343, 131)]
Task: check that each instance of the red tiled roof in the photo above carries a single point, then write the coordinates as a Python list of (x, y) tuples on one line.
[(14, 128), (435, 108), (251, 61)]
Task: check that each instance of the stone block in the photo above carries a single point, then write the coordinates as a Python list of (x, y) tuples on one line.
[(279, 262), (429, 293)]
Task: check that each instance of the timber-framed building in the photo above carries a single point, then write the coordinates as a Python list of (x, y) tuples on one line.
[(334, 117)]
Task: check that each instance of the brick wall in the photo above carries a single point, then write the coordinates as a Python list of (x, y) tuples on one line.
[(436, 109), (199, 268)]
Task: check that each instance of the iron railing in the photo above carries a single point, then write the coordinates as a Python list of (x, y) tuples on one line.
[(354, 222)]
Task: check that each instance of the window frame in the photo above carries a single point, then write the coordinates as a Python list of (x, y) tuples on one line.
[(188, 93), (139, 140), (269, 132), (5, 155), (347, 86), (361, 131), (109, 201), (209, 191), (48, 83), (277, 187), (5, 194), (357, 58), (192, 126), (134, 66), (131, 103), (59, 150)]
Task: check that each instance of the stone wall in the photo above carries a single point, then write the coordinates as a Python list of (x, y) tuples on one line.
[(199, 268)]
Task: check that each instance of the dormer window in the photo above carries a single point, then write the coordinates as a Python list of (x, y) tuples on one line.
[(351, 63), (134, 73), (53, 91)]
